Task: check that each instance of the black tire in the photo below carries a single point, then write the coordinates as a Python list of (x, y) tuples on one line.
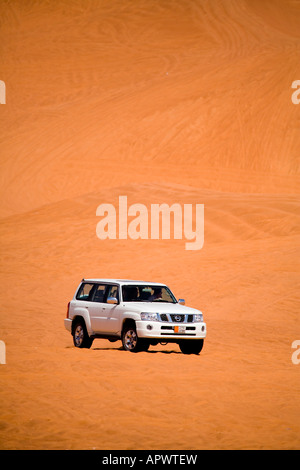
[(130, 340), (191, 346), (81, 338)]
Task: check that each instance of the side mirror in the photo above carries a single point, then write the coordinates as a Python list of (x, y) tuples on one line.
[(112, 300), (181, 301)]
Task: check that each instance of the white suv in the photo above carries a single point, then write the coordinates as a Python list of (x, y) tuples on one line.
[(138, 313)]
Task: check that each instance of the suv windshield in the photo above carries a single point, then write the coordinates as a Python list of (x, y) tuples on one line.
[(144, 293)]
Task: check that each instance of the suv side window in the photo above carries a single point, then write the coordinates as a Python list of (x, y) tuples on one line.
[(112, 291), (85, 291), (99, 293)]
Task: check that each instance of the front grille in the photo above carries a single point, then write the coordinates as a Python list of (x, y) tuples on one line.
[(164, 317), (176, 318)]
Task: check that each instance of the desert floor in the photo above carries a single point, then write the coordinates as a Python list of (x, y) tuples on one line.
[(164, 102)]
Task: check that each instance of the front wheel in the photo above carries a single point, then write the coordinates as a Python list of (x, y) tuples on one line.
[(131, 342), (191, 346)]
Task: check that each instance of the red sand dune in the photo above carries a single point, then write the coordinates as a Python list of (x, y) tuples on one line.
[(172, 101)]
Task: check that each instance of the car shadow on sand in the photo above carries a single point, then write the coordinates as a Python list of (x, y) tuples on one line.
[(148, 352)]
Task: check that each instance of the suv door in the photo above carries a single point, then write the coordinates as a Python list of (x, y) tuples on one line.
[(104, 316), (112, 311), (96, 308)]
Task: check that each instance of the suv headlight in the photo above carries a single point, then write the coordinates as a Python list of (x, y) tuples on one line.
[(198, 317), (149, 316)]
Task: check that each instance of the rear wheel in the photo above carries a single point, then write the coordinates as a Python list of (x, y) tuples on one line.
[(81, 338), (130, 340), (191, 346)]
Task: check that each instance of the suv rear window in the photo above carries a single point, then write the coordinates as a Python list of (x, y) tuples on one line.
[(85, 291), (99, 293)]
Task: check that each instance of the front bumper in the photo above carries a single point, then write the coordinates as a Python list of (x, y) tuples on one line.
[(167, 331)]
